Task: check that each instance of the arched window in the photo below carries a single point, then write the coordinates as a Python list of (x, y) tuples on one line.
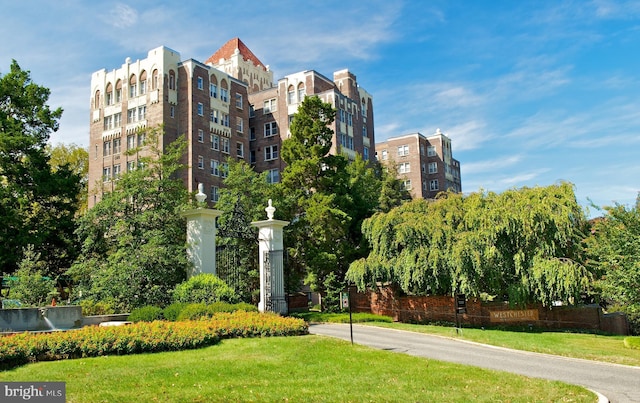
[(172, 80), (224, 91), (96, 100), (213, 86), (143, 82), (291, 95), (301, 92), (154, 80), (109, 94), (118, 94), (364, 107), (133, 90)]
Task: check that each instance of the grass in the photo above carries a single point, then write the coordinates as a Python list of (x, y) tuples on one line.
[(305, 368), (598, 347)]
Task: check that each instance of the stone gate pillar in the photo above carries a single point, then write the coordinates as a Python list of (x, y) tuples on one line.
[(201, 237), (272, 297)]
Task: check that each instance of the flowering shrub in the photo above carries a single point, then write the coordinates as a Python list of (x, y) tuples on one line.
[(143, 337)]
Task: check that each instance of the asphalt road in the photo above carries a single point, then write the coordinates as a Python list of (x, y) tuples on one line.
[(619, 383)]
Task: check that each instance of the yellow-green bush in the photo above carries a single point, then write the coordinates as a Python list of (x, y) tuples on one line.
[(143, 337)]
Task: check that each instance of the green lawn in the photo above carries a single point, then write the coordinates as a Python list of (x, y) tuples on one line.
[(296, 369)]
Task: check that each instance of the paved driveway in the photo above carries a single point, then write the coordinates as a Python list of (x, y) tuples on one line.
[(619, 383)]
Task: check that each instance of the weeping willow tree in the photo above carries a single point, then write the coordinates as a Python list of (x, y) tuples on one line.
[(523, 243)]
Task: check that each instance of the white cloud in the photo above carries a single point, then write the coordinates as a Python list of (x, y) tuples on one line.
[(122, 16)]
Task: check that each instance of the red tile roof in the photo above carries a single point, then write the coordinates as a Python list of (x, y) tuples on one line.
[(227, 50)]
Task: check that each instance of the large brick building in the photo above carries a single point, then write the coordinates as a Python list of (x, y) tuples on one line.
[(425, 164), (228, 107)]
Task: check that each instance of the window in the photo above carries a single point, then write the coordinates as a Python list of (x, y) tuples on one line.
[(224, 120), (406, 184), (215, 142), (215, 194), (133, 90), (141, 139), (224, 95), (213, 90), (215, 168), (106, 174), (300, 92), (106, 148), (154, 80), (172, 111), (200, 109), (240, 150), (403, 150), (116, 171), (291, 95), (364, 131), (404, 168), (365, 153), (172, 80), (269, 105), (239, 124), (109, 97), (225, 145), (273, 176), (270, 129), (350, 119), (131, 142), (224, 170), (424, 168), (118, 93), (143, 90), (131, 115), (214, 116), (238, 101), (252, 133), (117, 119), (200, 136), (270, 153), (431, 151), (200, 83), (200, 162), (117, 147), (252, 112), (384, 154), (342, 118), (252, 156), (131, 166), (421, 149), (142, 112), (108, 122), (433, 167), (433, 184)]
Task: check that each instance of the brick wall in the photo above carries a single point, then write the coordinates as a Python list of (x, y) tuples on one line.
[(422, 309)]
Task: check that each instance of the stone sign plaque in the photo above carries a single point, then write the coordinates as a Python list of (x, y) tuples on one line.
[(514, 316)]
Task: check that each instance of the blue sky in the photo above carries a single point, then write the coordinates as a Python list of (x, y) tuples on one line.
[(530, 92)]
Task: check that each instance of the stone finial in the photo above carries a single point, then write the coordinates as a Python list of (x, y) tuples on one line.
[(200, 196), (270, 210)]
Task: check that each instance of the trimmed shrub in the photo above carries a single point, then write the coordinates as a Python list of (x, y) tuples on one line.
[(142, 337), (193, 312), (172, 311), (146, 314), (204, 288)]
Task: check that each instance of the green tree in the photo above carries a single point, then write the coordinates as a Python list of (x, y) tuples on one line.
[(37, 204), (326, 198), (614, 254), (133, 241), (30, 285), (525, 244), (76, 159)]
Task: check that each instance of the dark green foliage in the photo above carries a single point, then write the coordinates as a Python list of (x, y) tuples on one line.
[(134, 239), (37, 204), (92, 307), (146, 314), (331, 299), (522, 243), (171, 312), (204, 288), (614, 254)]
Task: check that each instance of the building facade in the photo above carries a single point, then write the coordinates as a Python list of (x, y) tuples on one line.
[(228, 107), (424, 164)]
